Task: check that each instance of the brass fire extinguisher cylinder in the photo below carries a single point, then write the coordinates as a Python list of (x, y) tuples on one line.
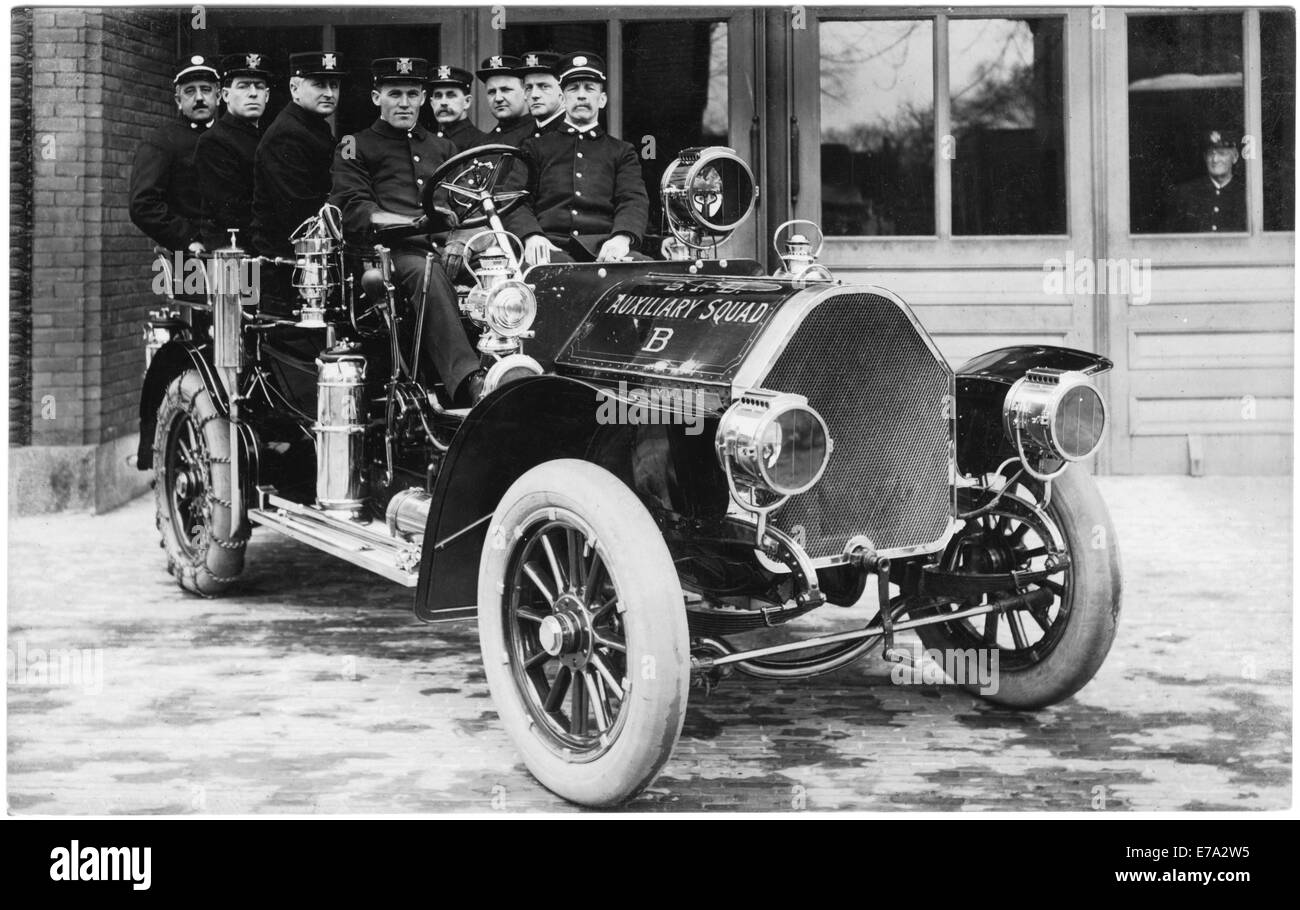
[(340, 431)]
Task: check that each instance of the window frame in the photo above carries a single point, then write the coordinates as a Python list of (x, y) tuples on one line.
[(943, 249), (1235, 248)]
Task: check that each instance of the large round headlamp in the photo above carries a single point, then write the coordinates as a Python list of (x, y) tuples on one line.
[(774, 440), (510, 308), (1057, 411), (707, 193)]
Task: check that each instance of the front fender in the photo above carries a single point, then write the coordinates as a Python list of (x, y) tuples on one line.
[(516, 428), (982, 385), (669, 465), (172, 359)]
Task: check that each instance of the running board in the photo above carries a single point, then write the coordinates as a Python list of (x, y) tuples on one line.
[(359, 544)]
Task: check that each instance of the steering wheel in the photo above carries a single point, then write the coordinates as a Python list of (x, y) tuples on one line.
[(469, 184)]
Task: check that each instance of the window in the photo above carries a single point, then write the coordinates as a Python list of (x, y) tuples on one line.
[(877, 127), (674, 93), (1277, 96), (560, 37), (1006, 97), (1185, 83), (1005, 103)]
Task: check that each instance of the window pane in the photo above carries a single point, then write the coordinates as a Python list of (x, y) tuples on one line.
[(1277, 59), (561, 37), (359, 45), (1185, 82), (877, 133), (674, 94), (1007, 102)]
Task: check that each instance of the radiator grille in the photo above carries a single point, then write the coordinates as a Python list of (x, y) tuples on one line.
[(871, 374)]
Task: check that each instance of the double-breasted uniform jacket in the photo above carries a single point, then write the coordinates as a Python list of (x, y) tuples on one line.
[(462, 134), (291, 177), (384, 169), (587, 186), (511, 132), (541, 129), (225, 159), (165, 201), (1201, 205)]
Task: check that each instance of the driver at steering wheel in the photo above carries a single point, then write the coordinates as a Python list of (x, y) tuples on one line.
[(378, 177)]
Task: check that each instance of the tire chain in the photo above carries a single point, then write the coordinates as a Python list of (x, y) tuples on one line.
[(184, 403)]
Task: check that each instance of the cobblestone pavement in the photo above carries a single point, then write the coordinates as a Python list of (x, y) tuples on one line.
[(313, 690)]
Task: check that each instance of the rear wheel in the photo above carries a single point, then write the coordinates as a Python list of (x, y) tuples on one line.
[(202, 536), (1047, 651), (583, 632)]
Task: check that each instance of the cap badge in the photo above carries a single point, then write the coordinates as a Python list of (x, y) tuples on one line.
[(196, 60), (531, 60), (1215, 137), (253, 61), (494, 62), (444, 72), (579, 61), (329, 61), (403, 64)]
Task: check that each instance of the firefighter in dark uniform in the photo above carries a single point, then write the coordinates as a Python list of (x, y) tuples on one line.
[(378, 179), (226, 152), (293, 160), (542, 91), (505, 95), (450, 98), (588, 199), (1214, 201), (165, 202)]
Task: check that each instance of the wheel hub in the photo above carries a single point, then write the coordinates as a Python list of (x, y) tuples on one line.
[(566, 633)]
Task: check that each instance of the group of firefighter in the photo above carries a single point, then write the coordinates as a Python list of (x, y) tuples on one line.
[(210, 177)]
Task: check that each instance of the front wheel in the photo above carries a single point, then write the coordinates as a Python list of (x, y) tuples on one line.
[(202, 536), (1047, 651), (583, 632)]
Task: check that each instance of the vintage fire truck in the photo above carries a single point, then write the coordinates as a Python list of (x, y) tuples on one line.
[(669, 455)]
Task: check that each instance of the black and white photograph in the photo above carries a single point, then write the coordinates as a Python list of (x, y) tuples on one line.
[(750, 410)]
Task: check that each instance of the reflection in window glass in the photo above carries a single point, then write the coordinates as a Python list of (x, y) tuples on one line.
[(1008, 119), (1277, 61), (1185, 83), (877, 131), (674, 94)]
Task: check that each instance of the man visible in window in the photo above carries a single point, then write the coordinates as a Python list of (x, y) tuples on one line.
[(292, 163), (542, 91), (505, 95), (1214, 201), (225, 154), (588, 199), (450, 99), (165, 202), (379, 178)]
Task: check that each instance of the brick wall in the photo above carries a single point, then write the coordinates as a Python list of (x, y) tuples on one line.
[(100, 83), (20, 236)]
